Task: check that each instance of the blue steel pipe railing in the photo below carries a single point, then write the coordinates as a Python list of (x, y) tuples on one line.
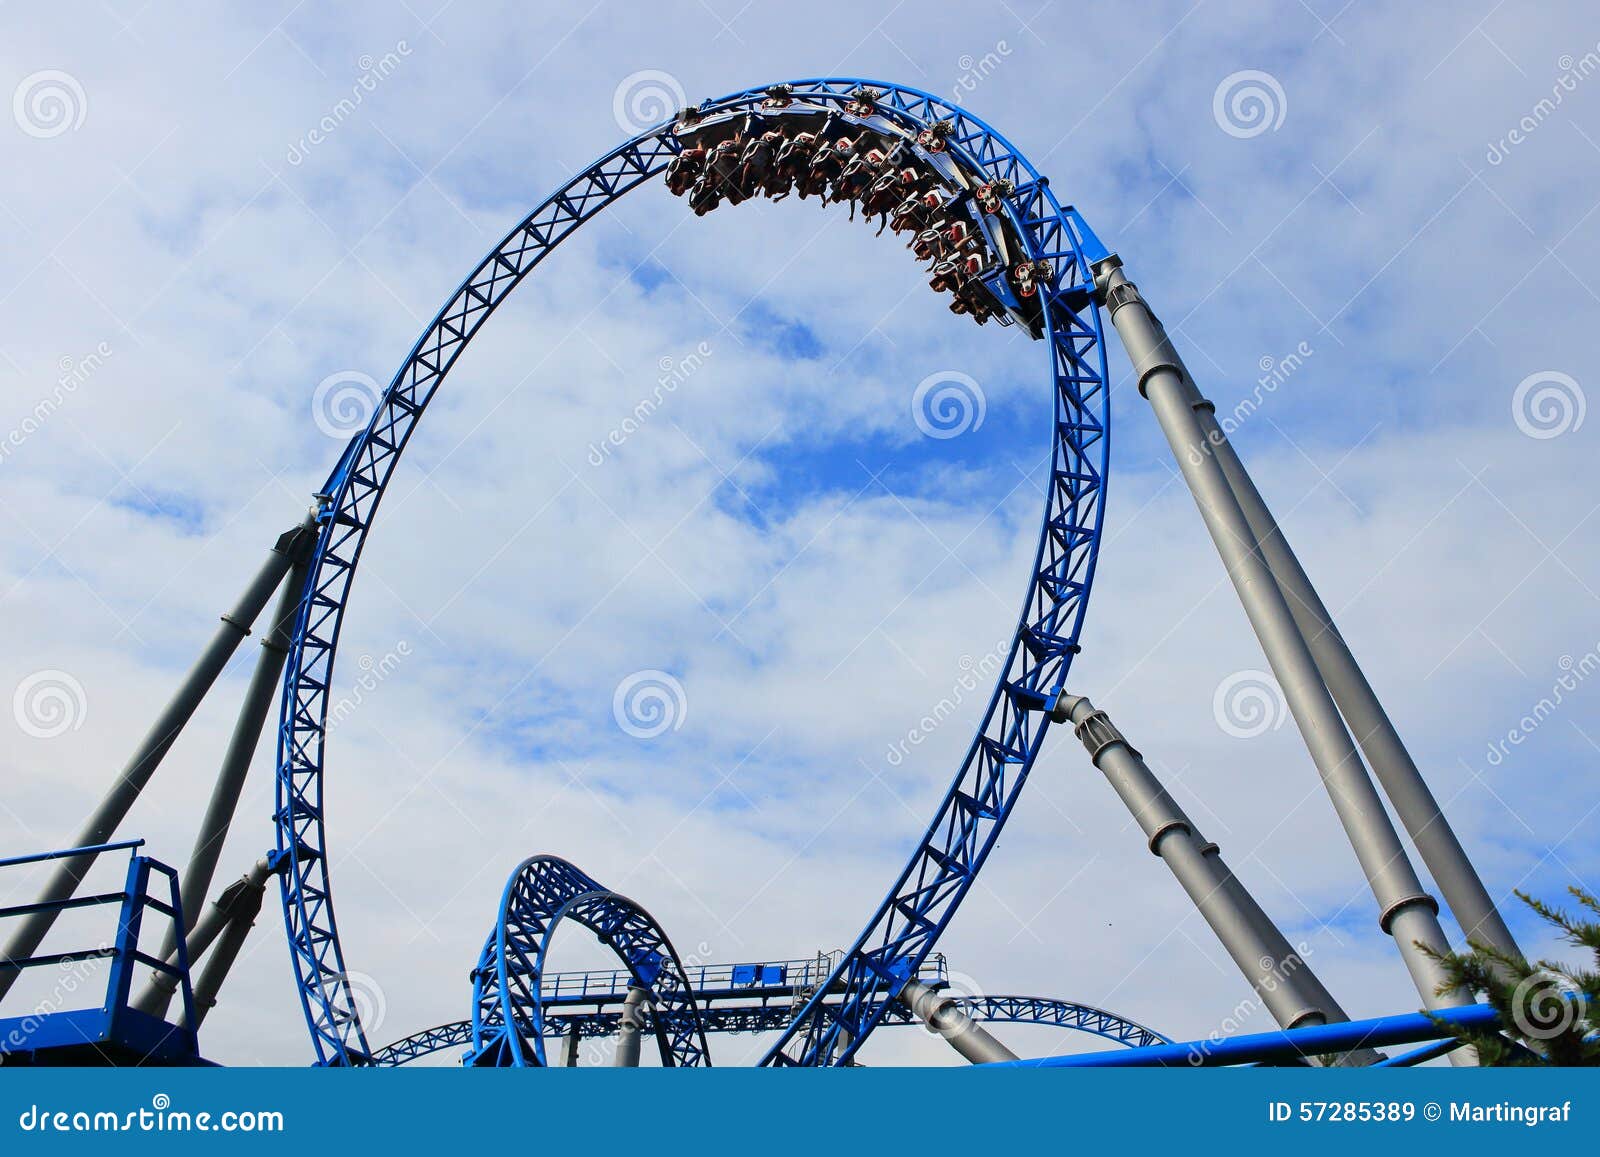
[(716, 981), (134, 899)]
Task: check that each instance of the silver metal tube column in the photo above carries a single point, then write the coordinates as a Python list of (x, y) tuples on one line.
[(241, 902), (1286, 985), (1405, 911), (936, 1010), (131, 780), (247, 728), (628, 1032), (1396, 771), (569, 1047)]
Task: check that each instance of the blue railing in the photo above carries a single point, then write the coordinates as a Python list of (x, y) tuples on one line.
[(716, 981), (112, 1027)]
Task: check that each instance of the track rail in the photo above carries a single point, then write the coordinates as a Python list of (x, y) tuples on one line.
[(508, 1010), (945, 862), (767, 1018)]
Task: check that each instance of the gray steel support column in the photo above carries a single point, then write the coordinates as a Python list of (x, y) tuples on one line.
[(1286, 985), (242, 904), (569, 1047), (131, 780), (1396, 771), (258, 699), (940, 1014), (1405, 911), (159, 992), (629, 1031)]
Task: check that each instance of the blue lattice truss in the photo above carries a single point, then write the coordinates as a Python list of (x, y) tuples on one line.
[(948, 856), (748, 1017), (508, 998)]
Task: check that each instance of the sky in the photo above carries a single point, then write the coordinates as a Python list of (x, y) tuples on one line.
[(1371, 228)]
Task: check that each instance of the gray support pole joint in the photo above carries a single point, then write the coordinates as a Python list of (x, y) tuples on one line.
[(939, 1013)]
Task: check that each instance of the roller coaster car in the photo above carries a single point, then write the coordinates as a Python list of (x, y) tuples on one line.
[(929, 245), (723, 167), (827, 162), (863, 102), (934, 138), (991, 196), (1028, 275), (683, 169), (914, 185), (757, 161)]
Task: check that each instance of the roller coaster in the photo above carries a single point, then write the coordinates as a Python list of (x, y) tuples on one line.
[(1003, 248)]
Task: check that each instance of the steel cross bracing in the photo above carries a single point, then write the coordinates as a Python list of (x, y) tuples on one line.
[(950, 853), (745, 1017), (508, 1014)]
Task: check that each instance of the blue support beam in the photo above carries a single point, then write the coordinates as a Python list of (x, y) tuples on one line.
[(1286, 1045)]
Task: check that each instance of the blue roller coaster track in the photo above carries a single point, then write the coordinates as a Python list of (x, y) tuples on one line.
[(945, 862), (755, 1017), (508, 996)]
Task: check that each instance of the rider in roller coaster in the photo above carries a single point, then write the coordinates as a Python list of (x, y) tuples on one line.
[(775, 155)]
